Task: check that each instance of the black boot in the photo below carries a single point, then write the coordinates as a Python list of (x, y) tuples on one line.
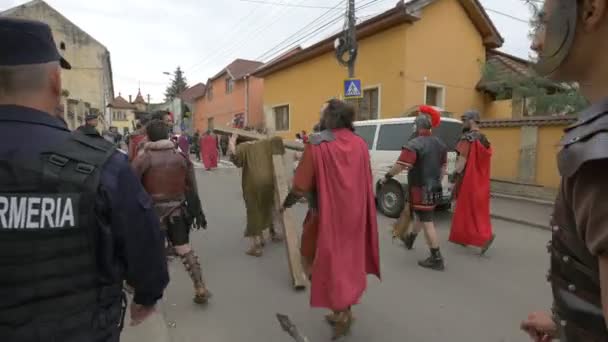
[(409, 240), (434, 261)]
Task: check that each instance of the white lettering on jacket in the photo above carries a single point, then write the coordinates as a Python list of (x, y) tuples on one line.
[(36, 211)]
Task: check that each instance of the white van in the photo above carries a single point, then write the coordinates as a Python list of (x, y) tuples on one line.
[(385, 138)]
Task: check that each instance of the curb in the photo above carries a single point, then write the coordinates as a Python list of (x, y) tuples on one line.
[(522, 222), (521, 198), (516, 221)]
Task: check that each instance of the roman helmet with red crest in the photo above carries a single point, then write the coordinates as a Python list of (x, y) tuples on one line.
[(433, 114)]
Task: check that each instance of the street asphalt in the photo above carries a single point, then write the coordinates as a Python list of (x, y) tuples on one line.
[(477, 299)]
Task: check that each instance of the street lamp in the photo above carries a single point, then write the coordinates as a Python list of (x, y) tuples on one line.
[(166, 73)]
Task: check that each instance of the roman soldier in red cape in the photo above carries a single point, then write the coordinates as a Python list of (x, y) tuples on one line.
[(425, 158), (209, 150), (471, 224), (340, 238)]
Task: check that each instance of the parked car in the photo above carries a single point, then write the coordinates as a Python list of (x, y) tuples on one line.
[(385, 138)]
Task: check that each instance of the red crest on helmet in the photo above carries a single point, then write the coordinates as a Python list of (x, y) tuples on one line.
[(433, 113)]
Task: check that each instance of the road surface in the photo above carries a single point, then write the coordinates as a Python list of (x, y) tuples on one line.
[(477, 299)]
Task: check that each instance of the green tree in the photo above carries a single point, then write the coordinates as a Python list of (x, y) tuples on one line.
[(177, 86), (541, 96)]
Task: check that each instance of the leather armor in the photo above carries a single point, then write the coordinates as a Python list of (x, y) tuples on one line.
[(474, 135), (165, 177), (574, 273), (426, 172)]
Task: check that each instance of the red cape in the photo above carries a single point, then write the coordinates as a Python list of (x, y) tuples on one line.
[(347, 244), (134, 142), (471, 224), (209, 151)]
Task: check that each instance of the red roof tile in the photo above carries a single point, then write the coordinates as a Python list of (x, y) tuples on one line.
[(556, 120), (120, 103), (193, 92), (239, 68)]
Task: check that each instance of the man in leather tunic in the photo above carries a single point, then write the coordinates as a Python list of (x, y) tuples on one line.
[(425, 156), (168, 176), (573, 47)]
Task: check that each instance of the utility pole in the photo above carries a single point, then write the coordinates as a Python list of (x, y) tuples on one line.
[(352, 38), (347, 44)]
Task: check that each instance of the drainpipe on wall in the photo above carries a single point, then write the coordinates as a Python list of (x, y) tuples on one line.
[(246, 100)]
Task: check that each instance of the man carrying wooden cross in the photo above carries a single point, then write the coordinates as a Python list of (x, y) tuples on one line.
[(255, 158), (340, 244)]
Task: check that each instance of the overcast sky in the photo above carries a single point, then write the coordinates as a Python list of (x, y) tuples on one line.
[(149, 37)]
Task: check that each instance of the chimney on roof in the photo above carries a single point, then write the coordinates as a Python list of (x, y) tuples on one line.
[(130, 99)]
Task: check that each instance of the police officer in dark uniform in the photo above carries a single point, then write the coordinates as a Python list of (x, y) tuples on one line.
[(90, 125), (573, 47), (74, 220)]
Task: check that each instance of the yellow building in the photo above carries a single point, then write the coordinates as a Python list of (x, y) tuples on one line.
[(88, 86), (419, 52), (123, 114)]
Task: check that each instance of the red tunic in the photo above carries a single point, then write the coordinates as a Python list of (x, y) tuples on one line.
[(340, 238), (209, 151)]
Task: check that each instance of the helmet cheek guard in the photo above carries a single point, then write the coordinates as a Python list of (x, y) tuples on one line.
[(559, 37)]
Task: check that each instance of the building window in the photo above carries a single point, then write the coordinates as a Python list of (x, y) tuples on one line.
[(62, 46), (229, 85), (238, 121), (119, 116), (281, 118), (435, 96), (210, 124), (367, 107), (210, 93)]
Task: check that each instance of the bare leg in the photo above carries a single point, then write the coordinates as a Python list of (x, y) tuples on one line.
[(193, 267), (430, 234)]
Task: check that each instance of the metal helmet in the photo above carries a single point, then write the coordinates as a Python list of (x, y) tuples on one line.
[(471, 115), (559, 36), (422, 122)]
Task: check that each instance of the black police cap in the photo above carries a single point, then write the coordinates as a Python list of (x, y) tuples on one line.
[(24, 42), (91, 116)]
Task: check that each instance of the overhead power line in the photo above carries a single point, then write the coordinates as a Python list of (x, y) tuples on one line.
[(309, 34), (272, 3), (301, 30), (252, 35), (507, 15), (237, 38)]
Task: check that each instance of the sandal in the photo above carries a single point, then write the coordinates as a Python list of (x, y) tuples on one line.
[(202, 298), (342, 325), (255, 251)]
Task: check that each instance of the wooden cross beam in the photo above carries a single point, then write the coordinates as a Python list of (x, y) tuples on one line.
[(252, 136), (285, 220)]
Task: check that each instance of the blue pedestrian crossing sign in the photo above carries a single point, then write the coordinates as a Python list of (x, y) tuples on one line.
[(352, 89)]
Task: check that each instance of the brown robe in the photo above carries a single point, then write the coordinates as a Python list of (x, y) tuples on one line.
[(258, 184)]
